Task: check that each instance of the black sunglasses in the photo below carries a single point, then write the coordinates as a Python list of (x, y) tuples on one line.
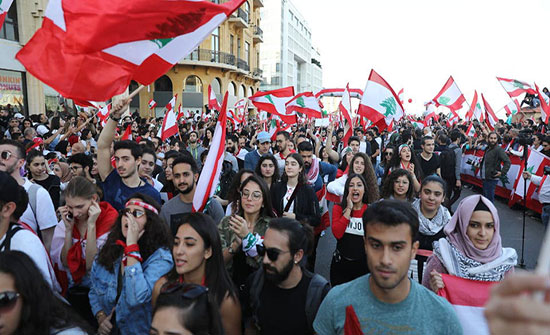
[(272, 253), (388, 153), (5, 155), (7, 300), (188, 291)]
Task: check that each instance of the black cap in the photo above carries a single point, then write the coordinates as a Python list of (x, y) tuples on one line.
[(9, 187)]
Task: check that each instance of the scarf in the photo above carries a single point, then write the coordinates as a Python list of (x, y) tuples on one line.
[(65, 172), (75, 258), (457, 264), (313, 172), (432, 226)]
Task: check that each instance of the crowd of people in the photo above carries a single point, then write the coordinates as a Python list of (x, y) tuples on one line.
[(98, 233)]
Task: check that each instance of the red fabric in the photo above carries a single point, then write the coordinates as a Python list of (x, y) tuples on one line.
[(352, 326), (340, 222), (75, 259), (465, 292)]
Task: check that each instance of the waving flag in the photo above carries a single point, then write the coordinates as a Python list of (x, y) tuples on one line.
[(475, 112), (4, 7), (169, 124), (241, 108), (471, 131), (152, 104), (468, 298), (274, 103), (450, 96), (345, 111), (515, 87), (544, 105), (212, 101), (102, 45), (453, 119), (304, 103), (512, 108), (379, 102), (491, 119), (536, 161), (103, 114), (206, 186), (127, 135)]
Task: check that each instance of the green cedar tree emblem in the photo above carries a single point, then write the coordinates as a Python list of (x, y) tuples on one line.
[(518, 84), (390, 105), (161, 42), (300, 102), (268, 97), (443, 100), (478, 105)]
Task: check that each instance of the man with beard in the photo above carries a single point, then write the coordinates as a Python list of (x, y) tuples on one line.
[(185, 175), (120, 183), (490, 166), (230, 148), (386, 300), (283, 297), (194, 147), (316, 172), (282, 139), (546, 146)]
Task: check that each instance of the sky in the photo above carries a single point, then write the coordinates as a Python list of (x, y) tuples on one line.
[(417, 45)]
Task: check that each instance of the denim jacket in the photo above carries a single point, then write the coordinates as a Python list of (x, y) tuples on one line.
[(133, 309)]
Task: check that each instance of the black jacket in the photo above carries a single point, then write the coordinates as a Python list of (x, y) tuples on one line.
[(306, 205), (493, 158)]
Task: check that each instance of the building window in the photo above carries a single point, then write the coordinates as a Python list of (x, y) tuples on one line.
[(247, 52), (231, 44), (239, 47), (247, 11), (216, 39), (193, 84), (9, 30), (216, 85)]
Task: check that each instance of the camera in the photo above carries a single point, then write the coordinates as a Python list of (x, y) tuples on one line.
[(546, 171), (525, 137)]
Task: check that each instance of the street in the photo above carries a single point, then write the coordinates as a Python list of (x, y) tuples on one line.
[(510, 229)]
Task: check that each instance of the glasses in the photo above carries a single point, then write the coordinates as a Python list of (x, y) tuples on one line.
[(257, 195), (75, 168), (188, 291), (388, 153), (272, 253), (8, 300), (137, 213), (5, 155)]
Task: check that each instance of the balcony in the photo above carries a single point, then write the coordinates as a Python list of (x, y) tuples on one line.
[(239, 18), (258, 3), (258, 73), (258, 35), (243, 65), (205, 57)]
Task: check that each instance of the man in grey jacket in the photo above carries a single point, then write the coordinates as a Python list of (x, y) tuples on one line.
[(491, 166)]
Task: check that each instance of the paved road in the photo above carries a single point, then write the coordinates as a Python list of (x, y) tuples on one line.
[(511, 232)]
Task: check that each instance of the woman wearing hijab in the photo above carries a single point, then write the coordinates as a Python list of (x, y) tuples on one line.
[(472, 248)]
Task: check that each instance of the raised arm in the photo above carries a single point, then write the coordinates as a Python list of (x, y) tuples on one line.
[(107, 136)]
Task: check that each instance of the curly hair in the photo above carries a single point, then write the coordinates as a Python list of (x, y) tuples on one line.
[(387, 187), (371, 184), (156, 235), (395, 162)]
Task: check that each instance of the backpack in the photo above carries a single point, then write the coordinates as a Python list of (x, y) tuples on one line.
[(447, 159)]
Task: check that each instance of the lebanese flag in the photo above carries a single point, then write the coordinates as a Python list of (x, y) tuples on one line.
[(379, 103), (169, 124), (515, 87), (206, 186), (492, 119), (274, 103), (536, 162), (429, 117), (304, 103), (212, 101), (127, 133), (450, 96), (180, 113), (103, 114), (453, 119), (468, 298), (512, 108), (241, 107), (103, 66), (544, 105), (471, 131), (4, 7), (323, 206), (345, 112), (401, 95), (152, 104)]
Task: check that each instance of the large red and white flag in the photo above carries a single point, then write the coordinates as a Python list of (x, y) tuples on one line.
[(206, 186), (345, 112), (274, 102), (450, 96), (169, 124), (512, 108), (380, 104), (468, 298), (241, 108), (515, 87), (4, 7), (103, 114), (544, 105), (212, 100), (102, 45), (491, 119), (536, 161), (304, 103)]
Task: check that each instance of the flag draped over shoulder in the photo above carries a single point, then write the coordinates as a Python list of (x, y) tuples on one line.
[(304, 103), (274, 102), (468, 298), (103, 45), (515, 87), (206, 186), (4, 7), (450, 96)]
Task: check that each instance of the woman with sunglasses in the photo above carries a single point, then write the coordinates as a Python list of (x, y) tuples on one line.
[(198, 259), (406, 159), (381, 167), (27, 303), (398, 185), (268, 169), (349, 260), (135, 255), (83, 229), (184, 308), (242, 231)]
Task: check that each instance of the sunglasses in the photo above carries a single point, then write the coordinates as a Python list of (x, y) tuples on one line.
[(8, 300), (272, 253), (137, 213), (187, 291), (388, 153), (5, 155)]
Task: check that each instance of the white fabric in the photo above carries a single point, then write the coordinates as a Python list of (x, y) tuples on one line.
[(286, 197), (355, 226), (45, 212), (544, 190), (472, 320), (336, 186)]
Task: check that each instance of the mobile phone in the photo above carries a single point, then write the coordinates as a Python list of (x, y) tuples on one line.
[(69, 216)]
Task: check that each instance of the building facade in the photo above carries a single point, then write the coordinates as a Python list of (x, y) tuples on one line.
[(288, 57)]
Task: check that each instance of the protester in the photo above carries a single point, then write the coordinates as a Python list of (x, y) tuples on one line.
[(405, 159), (491, 170), (360, 164), (399, 185), (234, 195), (315, 170), (451, 165), (282, 140), (81, 165), (268, 169), (429, 163), (384, 162), (39, 173), (198, 260), (544, 194), (472, 246), (264, 144)]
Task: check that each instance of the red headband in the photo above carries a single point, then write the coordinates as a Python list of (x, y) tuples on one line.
[(142, 204)]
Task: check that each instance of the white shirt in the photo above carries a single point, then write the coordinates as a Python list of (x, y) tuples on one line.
[(544, 190), (286, 198), (45, 212)]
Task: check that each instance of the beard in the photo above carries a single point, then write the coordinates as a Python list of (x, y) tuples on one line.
[(276, 277), (307, 165), (231, 150), (9, 169), (185, 190)]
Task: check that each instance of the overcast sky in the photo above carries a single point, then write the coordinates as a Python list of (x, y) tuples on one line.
[(416, 45)]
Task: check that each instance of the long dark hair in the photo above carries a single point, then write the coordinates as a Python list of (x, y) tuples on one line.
[(272, 158), (387, 187), (42, 311), (217, 279), (233, 194), (301, 175), (156, 235), (371, 185), (395, 162), (267, 208), (320, 155), (365, 200)]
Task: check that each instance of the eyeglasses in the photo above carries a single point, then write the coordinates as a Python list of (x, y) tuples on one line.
[(188, 291), (272, 253), (137, 213), (8, 300), (388, 153), (256, 195), (74, 167), (5, 155)]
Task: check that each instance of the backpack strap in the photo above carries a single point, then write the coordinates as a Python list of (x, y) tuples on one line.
[(12, 230), (316, 292)]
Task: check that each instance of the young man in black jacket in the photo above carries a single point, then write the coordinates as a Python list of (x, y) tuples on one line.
[(491, 166)]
